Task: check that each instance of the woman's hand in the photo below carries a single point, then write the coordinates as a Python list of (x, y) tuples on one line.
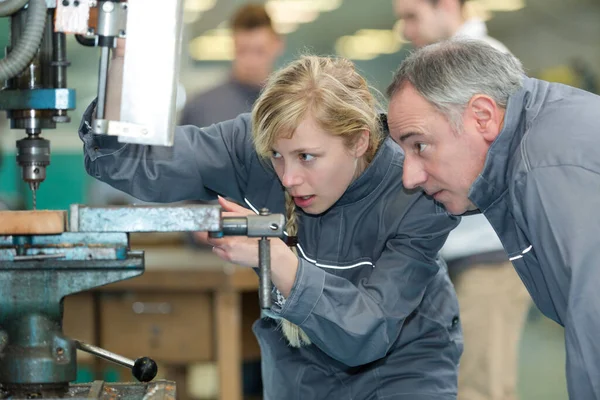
[(235, 249), (242, 250)]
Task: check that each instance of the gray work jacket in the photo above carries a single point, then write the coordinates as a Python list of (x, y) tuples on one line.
[(540, 190)]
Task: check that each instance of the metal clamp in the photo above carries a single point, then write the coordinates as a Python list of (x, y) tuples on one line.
[(112, 18), (143, 369)]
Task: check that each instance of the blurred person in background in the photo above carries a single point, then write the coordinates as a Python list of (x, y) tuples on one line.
[(493, 300), (256, 49)]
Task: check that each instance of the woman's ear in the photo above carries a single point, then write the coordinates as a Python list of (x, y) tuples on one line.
[(362, 144)]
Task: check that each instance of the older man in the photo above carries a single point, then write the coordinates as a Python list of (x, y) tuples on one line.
[(480, 136), (493, 300)]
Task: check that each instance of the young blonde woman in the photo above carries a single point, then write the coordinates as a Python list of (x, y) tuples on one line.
[(362, 309)]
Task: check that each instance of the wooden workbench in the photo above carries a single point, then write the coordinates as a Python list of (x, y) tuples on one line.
[(186, 308)]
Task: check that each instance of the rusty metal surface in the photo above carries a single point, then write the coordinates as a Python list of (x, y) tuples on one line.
[(145, 218), (66, 246), (156, 390)]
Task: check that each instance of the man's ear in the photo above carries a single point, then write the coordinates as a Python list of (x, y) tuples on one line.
[(362, 144), (486, 115)]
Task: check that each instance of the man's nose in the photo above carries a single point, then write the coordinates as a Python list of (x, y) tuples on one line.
[(413, 175)]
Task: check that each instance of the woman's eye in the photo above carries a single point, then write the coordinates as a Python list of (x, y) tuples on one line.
[(306, 157), (275, 154)]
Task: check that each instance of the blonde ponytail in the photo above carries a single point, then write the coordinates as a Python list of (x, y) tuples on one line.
[(295, 336)]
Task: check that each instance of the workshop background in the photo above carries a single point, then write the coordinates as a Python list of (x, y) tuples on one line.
[(549, 36)]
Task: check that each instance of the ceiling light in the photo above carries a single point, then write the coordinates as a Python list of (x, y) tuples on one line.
[(284, 28), (211, 47), (476, 10), (292, 11), (327, 5), (502, 5), (355, 48), (189, 17), (199, 5)]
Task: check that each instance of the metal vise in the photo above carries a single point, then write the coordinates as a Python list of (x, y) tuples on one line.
[(38, 271)]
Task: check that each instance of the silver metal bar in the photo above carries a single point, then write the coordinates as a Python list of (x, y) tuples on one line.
[(265, 225), (145, 218), (96, 390), (184, 218), (107, 355), (102, 79), (264, 273), (268, 225), (39, 257)]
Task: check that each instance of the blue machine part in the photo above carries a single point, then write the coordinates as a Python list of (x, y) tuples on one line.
[(37, 99)]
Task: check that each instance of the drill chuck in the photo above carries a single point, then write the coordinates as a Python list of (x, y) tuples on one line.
[(33, 156)]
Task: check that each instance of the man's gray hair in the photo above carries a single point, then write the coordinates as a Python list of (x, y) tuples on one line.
[(449, 73)]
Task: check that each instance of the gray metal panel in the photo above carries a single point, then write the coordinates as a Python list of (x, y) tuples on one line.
[(151, 69), (145, 218)]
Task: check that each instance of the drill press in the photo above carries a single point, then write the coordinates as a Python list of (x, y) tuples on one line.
[(37, 271), (34, 71), (35, 95)]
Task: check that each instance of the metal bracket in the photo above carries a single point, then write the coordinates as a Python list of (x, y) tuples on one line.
[(119, 128)]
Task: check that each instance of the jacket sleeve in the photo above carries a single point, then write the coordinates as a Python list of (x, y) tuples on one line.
[(358, 324), (200, 164), (561, 209)]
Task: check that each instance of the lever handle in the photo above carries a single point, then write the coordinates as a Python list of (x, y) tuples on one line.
[(144, 369)]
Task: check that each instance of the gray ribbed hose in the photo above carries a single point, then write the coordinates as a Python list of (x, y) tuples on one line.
[(23, 52), (9, 7)]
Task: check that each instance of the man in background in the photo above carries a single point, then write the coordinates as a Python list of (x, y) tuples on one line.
[(256, 49), (493, 300)]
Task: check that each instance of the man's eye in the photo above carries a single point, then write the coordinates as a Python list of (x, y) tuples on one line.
[(306, 157), (275, 154), (420, 147)]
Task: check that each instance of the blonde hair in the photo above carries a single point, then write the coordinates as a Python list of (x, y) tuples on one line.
[(331, 91)]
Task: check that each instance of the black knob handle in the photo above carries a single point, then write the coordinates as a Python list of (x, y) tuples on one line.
[(144, 369)]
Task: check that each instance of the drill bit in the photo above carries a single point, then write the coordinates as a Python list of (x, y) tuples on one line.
[(34, 186)]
